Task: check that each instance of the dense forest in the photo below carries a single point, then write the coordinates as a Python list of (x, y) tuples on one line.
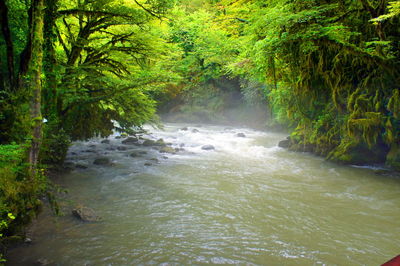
[(328, 72)]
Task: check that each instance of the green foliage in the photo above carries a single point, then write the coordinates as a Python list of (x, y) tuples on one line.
[(19, 193), (394, 10), (331, 74)]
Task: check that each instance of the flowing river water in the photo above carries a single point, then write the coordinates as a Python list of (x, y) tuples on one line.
[(248, 202)]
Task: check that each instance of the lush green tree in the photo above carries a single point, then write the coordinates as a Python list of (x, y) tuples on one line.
[(330, 72)]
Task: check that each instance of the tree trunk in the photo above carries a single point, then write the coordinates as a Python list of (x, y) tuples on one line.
[(50, 38), (5, 29), (33, 82)]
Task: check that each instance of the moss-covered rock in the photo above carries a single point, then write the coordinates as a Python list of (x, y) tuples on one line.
[(351, 152), (393, 157)]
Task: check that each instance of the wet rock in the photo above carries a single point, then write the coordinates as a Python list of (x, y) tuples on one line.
[(240, 135), (134, 154), (165, 157), (105, 141), (142, 152), (284, 143), (195, 130), (110, 148), (208, 147), (148, 164), (184, 129), (92, 146), (117, 137), (81, 166), (148, 142), (85, 214), (154, 160), (130, 141), (102, 161), (89, 151), (160, 142), (167, 149), (121, 148)]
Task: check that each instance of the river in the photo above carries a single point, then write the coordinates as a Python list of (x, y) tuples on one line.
[(248, 202)]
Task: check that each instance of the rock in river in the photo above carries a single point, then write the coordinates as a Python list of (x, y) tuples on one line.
[(149, 142), (105, 141), (284, 143), (85, 214), (167, 149), (240, 135), (135, 154), (208, 147), (102, 161), (130, 141)]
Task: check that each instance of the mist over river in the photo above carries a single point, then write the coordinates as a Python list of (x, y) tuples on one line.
[(247, 202)]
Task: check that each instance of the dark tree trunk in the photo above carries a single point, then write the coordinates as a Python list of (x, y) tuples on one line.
[(5, 29), (50, 37)]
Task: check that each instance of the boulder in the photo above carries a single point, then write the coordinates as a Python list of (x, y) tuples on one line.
[(149, 142), (102, 161), (240, 135), (160, 142), (167, 149), (147, 164), (284, 143), (130, 141), (184, 129), (208, 147), (85, 214), (105, 141), (134, 154), (195, 130), (81, 166)]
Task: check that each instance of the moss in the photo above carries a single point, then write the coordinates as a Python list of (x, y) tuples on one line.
[(358, 152), (393, 157)]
